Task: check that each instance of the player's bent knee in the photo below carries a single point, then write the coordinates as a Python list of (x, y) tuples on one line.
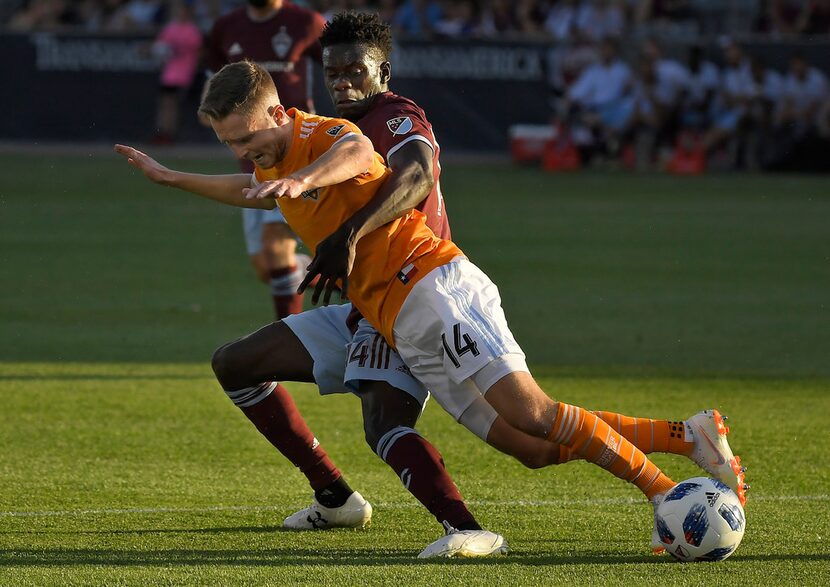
[(385, 408), (377, 424), (225, 364)]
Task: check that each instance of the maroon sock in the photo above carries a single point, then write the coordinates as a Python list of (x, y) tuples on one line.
[(278, 420), (421, 469), (284, 284)]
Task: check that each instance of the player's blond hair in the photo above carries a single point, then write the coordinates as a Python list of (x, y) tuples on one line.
[(238, 87)]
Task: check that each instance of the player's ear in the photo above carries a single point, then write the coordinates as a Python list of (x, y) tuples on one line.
[(277, 112), (385, 72)]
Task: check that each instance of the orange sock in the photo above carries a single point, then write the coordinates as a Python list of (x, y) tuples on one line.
[(594, 440), (651, 435), (648, 435)]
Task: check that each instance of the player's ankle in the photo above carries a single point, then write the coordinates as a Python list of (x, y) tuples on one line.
[(335, 494)]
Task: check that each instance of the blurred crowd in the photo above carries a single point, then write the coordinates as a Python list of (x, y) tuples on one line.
[(716, 106), (729, 112), (558, 20)]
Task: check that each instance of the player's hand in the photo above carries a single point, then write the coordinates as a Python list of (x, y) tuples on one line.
[(154, 170), (287, 187), (332, 262)]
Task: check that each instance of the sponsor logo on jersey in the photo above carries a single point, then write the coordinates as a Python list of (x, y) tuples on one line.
[(407, 273), (399, 125), (236, 49), (335, 130), (311, 194), (281, 43)]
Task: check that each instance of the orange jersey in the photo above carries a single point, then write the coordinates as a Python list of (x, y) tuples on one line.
[(389, 260)]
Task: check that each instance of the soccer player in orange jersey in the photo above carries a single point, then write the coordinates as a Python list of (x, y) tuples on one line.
[(441, 313), (282, 37)]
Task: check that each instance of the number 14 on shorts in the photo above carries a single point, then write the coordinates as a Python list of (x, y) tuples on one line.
[(462, 344)]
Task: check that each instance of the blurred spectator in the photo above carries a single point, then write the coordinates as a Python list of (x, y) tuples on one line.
[(730, 106), (672, 76), (763, 98), (673, 17), (661, 87), (597, 19), (529, 16), (599, 106), (561, 20), (458, 19), (138, 16), (44, 15), (179, 44), (704, 81), (417, 17), (804, 92)]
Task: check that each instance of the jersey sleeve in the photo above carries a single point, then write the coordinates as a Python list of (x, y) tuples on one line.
[(329, 132), (398, 126), (333, 130)]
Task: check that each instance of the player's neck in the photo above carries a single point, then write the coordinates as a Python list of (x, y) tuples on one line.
[(262, 14), (286, 138)]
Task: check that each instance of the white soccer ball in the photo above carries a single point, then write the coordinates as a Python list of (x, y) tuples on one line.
[(700, 519)]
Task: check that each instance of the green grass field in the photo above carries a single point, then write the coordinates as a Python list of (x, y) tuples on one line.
[(123, 463)]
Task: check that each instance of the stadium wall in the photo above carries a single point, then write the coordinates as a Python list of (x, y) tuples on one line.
[(102, 88)]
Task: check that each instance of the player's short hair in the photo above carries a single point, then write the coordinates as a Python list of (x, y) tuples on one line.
[(238, 87), (358, 28)]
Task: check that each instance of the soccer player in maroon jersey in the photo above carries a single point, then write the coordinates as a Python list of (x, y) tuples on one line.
[(282, 38)]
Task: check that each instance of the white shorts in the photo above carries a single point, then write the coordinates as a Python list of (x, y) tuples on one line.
[(341, 360), (252, 221), (452, 333)]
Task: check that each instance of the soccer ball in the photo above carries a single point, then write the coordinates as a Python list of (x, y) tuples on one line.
[(700, 519)]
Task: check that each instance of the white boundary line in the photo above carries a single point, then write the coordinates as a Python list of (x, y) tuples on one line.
[(474, 503)]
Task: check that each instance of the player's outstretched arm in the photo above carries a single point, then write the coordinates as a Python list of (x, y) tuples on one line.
[(410, 182), (227, 189), (349, 157)]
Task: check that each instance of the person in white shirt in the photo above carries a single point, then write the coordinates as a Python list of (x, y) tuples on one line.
[(805, 89), (763, 96), (729, 106), (704, 82), (601, 99)]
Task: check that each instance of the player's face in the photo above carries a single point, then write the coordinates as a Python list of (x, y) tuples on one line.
[(354, 76), (255, 137)]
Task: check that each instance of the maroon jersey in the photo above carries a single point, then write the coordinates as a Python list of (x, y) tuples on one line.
[(394, 121), (281, 44)]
